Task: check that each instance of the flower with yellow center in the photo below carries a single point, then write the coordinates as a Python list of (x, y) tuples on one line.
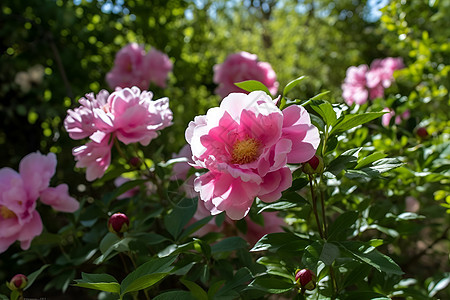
[(6, 213), (245, 151)]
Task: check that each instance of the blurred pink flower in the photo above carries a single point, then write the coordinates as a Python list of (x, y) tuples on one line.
[(159, 66), (386, 118), (354, 86), (245, 144), (180, 171), (243, 66), (133, 67), (18, 195), (362, 83), (150, 188), (272, 223)]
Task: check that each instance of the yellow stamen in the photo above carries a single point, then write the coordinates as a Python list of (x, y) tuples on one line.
[(6, 213), (245, 151)]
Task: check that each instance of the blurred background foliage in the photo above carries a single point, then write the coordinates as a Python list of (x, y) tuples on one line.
[(55, 51)]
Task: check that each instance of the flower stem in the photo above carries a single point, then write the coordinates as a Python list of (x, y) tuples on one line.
[(322, 202), (314, 202)]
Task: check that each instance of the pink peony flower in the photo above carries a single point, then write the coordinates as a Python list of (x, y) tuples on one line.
[(133, 67), (361, 82), (243, 66), (354, 86), (180, 171), (127, 114), (95, 157), (245, 144), (79, 122), (159, 66), (18, 195)]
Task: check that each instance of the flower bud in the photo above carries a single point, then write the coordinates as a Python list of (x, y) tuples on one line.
[(422, 132), (306, 279), (118, 223), (135, 162), (313, 166), (18, 282)]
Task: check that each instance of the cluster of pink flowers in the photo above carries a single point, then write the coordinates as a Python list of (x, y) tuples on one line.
[(19, 193), (243, 66), (134, 67), (245, 144), (362, 83), (127, 114), (272, 223), (386, 118)]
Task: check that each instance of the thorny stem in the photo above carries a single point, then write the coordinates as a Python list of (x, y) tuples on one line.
[(314, 200)]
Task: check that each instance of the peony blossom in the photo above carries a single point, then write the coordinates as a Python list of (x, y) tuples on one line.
[(127, 114), (159, 66), (362, 83), (134, 67), (243, 66), (245, 144), (19, 192)]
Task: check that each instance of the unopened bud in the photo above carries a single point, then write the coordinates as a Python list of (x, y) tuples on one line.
[(306, 279), (313, 166), (422, 132), (18, 282), (118, 223), (135, 162)]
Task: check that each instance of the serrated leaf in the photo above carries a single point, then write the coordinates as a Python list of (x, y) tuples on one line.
[(253, 85), (347, 122)]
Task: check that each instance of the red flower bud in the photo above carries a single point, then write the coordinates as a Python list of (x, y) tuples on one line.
[(135, 162), (18, 282), (422, 132), (313, 166), (118, 223), (306, 279)]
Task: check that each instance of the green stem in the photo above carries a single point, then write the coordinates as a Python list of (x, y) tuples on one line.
[(322, 200), (314, 202), (334, 286)]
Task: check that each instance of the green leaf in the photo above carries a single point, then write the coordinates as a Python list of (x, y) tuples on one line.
[(275, 241), (438, 284), (369, 255), (112, 245), (347, 122), (385, 164), (195, 289), (180, 216), (15, 295), (329, 253), (370, 159), (32, 277), (292, 84), (325, 110), (126, 187), (229, 244), (152, 271), (358, 295), (271, 284), (281, 205), (253, 85), (101, 282), (232, 287), (338, 228), (175, 295)]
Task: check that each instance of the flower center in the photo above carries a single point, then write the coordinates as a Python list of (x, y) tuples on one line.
[(245, 151), (6, 213)]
